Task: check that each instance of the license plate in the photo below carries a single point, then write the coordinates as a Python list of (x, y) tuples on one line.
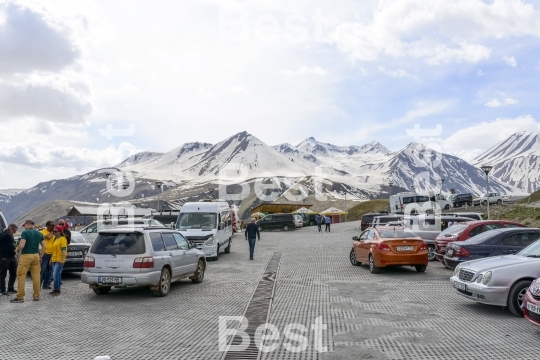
[(533, 308), (450, 252), (75, 253), (405, 248), (109, 280), (460, 286)]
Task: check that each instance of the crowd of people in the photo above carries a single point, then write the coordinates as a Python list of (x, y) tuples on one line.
[(42, 251)]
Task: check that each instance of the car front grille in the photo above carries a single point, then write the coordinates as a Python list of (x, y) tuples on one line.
[(466, 275), (537, 297), (199, 240), (534, 316)]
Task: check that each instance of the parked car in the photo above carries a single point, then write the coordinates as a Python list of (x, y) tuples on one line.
[(494, 198), (284, 222), (470, 215), (145, 256), (305, 218), (367, 220), (531, 304), (428, 227), (499, 280), (90, 232), (76, 252), (459, 200), (298, 221), (383, 220), (166, 217), (490, 243), (462, 232), (389, 246)]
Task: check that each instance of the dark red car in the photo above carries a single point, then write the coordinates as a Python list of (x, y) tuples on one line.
[(464, 231), (531, 303)]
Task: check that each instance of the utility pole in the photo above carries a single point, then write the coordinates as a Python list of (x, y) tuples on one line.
[(486, 169), (158, 184)]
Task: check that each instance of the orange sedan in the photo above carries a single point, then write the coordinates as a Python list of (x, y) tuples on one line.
[(389, 246)]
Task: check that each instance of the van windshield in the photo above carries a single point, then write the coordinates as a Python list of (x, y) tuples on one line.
[(199, 220)]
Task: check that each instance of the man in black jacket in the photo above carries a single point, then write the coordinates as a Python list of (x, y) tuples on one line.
[(7, 259), (252, 233)]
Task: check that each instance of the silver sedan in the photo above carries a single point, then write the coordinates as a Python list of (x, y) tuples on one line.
[(499, 280)]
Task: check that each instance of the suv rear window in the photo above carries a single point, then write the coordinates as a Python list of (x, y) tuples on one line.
[(367, 218), (119, 244)]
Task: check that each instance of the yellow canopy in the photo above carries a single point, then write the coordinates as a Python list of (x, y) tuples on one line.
[(334, 211)]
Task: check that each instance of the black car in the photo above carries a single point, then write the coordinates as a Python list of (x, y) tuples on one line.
[(367, 219), (312, 219), (283, 222), (76, 251), (506, 241), (459, 200)]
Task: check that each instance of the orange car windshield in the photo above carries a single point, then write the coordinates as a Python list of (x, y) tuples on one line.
[(396, 234)]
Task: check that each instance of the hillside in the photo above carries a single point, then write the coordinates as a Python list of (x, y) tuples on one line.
[(535, 196), (356, 212)]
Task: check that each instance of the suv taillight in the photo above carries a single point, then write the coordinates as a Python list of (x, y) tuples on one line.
[(89, 262), (423, 246), (143, 263)]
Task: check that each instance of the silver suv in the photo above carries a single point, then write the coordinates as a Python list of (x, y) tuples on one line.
[(141, 256)]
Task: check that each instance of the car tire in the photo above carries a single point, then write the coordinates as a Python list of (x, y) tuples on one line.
[(228, 248), (285, 228), (102, 290), (484, 203), (164, 285), (352, 259), (199, 274), (499, 202), (447, 207), (420, 268), (431, 253), (372, 268), (216, 258), (516, 296)]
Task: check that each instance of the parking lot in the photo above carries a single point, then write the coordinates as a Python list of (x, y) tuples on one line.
[(396, 314)]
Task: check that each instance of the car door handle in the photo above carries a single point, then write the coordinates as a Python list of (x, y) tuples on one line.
[(184, 253), (170, 254)]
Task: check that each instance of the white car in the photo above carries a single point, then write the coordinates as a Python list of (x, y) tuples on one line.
[(298, 221), (494, 198)]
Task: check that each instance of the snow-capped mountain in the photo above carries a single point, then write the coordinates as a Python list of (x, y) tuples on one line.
[(515, 161), (140, 158)]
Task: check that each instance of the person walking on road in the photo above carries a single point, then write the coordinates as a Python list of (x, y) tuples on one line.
[(327, 220), (8, 262), (252, 234), (319, 222), (30, 259), (46, 268), (58, 259)]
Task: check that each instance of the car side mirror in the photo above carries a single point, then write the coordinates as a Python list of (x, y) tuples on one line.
[(355, 238), (192, 245)]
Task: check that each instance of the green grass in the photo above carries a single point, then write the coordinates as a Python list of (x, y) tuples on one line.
[(535, 196), (356, 212), (529, 216)]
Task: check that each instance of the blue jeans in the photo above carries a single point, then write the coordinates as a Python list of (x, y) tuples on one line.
[(251, 247), (57, 275), (319, 226), (46, 270)]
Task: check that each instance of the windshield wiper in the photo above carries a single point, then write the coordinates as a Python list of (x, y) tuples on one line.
[(533, 256), (107, 253)]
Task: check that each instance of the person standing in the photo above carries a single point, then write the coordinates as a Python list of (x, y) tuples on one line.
[(327, 220), (319, 221), (46, 268), (58, 259), (252, 233), (7, 259), (30, 259)]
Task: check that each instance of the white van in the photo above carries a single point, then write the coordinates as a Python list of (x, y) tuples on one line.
[(207, 224), (400, 202)]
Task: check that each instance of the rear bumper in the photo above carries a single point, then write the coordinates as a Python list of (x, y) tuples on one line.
[(529, 315), (452, 262), (405, 259), (73, 265), (135, 279), (489, 295)]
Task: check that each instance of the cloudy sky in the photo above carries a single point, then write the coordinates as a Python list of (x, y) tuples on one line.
[(85, 84)]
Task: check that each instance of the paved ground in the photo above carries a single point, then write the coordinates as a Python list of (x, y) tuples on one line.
[(397, 314)]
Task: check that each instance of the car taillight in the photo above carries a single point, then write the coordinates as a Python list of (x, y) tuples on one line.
[(461, 252), (143, 263), (423, 246), (383, 247), (89, 262)]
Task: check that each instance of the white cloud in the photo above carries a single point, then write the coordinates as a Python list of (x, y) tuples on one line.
[(304, 70), (510, 61), (503, 102), (480, 73), (470, 142), (394, 73), (438, 32)]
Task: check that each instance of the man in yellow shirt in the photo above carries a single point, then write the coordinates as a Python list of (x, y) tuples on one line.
[(58, 259), (46, 267)]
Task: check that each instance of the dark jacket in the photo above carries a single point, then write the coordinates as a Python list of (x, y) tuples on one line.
[(7, 245), (252, 231)]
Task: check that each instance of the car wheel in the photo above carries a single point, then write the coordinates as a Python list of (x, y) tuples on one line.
[(516, 296), (484, 203), (216, 258), (285, 227), (199, 274), (420, 268), (102, 290), (469, 203), (372, 268), (431, 253), (261, 229), (499, 202), (164, 285), (352, 258), (447, 207), (228, 248)]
